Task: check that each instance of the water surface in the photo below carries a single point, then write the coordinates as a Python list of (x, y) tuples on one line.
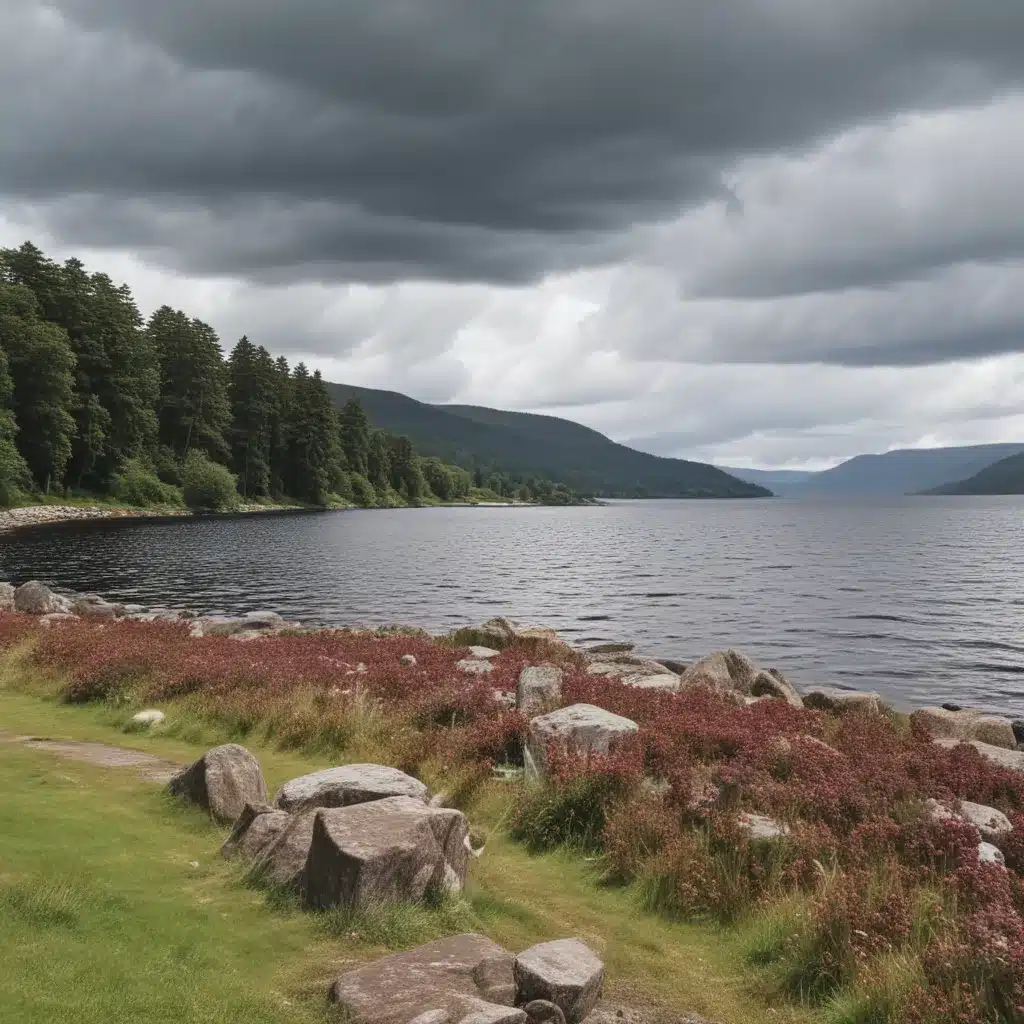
[(921, 598)]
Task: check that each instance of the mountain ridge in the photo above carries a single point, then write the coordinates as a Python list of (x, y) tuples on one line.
[(1006, 476)]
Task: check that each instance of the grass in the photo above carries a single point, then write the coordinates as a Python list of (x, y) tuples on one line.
[(110, 921)]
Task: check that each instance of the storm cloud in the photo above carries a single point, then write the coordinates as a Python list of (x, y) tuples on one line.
[(579, 205)]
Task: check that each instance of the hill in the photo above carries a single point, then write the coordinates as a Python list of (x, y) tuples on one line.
[(904, 471), (1003, 477), (780, 481), (545, 446)]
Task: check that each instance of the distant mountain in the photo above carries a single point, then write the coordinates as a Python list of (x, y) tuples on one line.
[(544, 446), (905, 471), (1003, 477), (780, 481)]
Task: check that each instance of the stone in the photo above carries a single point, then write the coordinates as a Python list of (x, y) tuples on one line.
[(218, 625), (222, 782), (627, 665), (968, 725), (346, 785), (997, 755), (409, 660), (540, 1011), (723, 671), (773, 683), (836, 700), (539, 687), (666, 681), (485, 653), (254, 830), (1018, 730), (475, 666), (564, 972), (443, 982), (761, 828), (989, 854), (6, 597), (262, 620), (35, 598), (610, 649), (149, 717), (88, 609), (500, 633), (991, 823), (281, 860), (387, 851), (56, 619), (581, 727)]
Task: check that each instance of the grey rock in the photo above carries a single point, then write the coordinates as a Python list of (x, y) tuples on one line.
[(216, 625), (484, 653), (761, 828), (35, 598), (149, 717), (584, 728), (255, 829), (830, 698), (346, 785), (409, 660), (282, 845), (724, 671), (991, 823), (378, 853), (610, 649), (1018, 730), (773, 683), (222, 782), (475, 666), (968, 724), (989, 854), (6, 597), (666, 681), (444, 982), (262, 620), (564, 972), (997, 755), (540, 1011), (56, 619), (94, 609), (539, 686)]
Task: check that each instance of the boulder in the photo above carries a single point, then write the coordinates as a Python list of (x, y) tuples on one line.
[(222, 782), (281, 859), (725, 671), (6, 597), (35, 598), (346, 785), (539, 687), (1018, 730), (88, 609), (449, 981), (149, 717), (666, 681), (475, 666), (581, 727), (772, 683), (989, 854), (831, 698), (56, 619), (761, 828), (997, 755), (540, 1011), (265, 620), (968, 724), (564, 972), (218, 625), (387, 851), (409, 660), (485, 653), (991, 823), (626, 664), (255, 829), (501, 633), (610, 649)]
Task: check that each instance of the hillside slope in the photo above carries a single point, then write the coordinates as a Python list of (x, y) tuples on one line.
[(905, 471), (1003, 477), (544, 446), (781, 481)]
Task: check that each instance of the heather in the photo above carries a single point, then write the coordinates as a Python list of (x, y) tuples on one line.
[(868, 908)]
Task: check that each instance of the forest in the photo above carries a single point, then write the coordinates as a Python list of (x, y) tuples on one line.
[(97, 401)]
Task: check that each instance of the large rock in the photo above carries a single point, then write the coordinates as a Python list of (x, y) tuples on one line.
[(539, 687), (725, 671), (222, 781), (501, 633), (831, 698), (760, 828), (35, 598), (90, 609), (449, 981), (282, 846), (997, 755), (254, 830), (580, 727), (967, 724), (564, 972), (475, 666), (6, 597), (668, 682), (346, 785), (989, 854), (387, 851), (991, 823), (772, 683)]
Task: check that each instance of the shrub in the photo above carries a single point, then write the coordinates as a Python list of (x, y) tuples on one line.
[(136, 484), (363, 493), (207, 485)]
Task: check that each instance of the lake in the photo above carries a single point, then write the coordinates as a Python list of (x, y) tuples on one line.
[(920, 598)]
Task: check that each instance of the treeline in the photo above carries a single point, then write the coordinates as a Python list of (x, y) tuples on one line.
[(95, 400)]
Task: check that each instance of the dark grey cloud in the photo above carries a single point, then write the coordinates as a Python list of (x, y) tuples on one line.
[(449, 139)]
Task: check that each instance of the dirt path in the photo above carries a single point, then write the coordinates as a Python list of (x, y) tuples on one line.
[(153, 768)]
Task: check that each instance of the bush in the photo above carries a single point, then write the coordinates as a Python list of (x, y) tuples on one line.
[(138, 485), (208, 486), (363, 492)]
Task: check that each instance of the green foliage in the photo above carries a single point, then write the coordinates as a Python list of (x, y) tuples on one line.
[(138, 484), (208, 486), (363, 492)]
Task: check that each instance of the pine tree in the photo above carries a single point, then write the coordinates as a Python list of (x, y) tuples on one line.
[(354, 433), (280, 428), (42, 369), (252, 391), (14, 472)]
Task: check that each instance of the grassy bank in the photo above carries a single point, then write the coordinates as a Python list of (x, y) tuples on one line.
[(869, 910)]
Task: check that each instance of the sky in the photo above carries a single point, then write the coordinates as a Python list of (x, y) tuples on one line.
[(760, 234)]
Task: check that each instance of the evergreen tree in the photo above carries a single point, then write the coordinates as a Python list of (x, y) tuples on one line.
[(406, 476), (280, 428), (42, 369), (378, 461), (14, 472), (354, 433), (252, 391), (194, 411)]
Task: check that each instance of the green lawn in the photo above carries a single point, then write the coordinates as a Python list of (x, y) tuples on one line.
[(116, 909)]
